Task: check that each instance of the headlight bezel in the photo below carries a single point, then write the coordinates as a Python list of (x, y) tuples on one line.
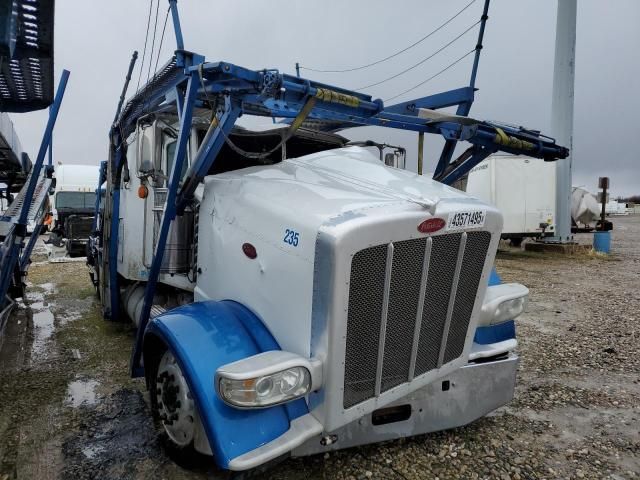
[(245, 375), (503, 302)]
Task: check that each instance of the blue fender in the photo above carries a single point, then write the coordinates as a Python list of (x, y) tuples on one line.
[(204, 336), (494, 279), (499, 332)]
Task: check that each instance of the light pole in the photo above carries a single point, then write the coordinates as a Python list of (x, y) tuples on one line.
[(562, 114)]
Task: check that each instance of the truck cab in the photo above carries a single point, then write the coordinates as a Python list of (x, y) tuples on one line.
[(319, 295), (71, 208)]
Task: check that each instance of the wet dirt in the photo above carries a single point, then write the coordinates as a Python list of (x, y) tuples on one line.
[(70, 410)]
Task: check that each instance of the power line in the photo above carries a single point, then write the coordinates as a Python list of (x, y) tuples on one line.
[(144, 52), (166, 17), (420, 62), (432, 76), (394, 54), (153, 42)]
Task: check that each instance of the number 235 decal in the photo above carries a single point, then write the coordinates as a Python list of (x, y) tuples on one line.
[(291, 237)]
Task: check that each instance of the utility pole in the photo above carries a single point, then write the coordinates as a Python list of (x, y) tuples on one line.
[(562, 113)]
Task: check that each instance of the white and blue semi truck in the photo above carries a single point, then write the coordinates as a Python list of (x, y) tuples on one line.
[(293, 294)]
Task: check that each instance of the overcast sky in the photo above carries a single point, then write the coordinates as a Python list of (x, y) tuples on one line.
[(94, 40)]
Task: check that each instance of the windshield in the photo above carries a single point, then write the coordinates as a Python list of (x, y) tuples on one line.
[(75, 200), (171, 153)]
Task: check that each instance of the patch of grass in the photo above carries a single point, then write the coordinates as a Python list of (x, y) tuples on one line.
[(104, 347), (70, 279), (580, 256)]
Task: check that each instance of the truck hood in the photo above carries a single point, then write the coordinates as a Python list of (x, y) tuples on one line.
[(264, 232), (326, 188), (324, 184)]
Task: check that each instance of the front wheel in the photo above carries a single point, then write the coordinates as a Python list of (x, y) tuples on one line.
[(173, 405), (172, 402)]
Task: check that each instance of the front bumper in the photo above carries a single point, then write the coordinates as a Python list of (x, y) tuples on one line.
[(300, 430), (471, 392)]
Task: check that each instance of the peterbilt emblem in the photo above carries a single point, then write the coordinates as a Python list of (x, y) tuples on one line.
[(431, 225)]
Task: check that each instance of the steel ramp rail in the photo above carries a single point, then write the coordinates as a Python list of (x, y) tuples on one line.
[(14, 257), (36, 212)]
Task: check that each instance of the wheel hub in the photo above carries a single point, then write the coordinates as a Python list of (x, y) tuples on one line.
[(175, 404)]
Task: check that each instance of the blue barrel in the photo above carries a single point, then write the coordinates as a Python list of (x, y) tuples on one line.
[(602, 242)]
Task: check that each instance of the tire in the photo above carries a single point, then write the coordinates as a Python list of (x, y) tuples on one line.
[(516, 242), (94, 281), (166, 402), (172, 403)]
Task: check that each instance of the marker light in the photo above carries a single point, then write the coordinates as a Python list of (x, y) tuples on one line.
[(267, 379), (249, 250), (503, 302), (143, 191)]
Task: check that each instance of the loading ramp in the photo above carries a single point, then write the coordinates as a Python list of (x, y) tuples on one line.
[(26, 84)]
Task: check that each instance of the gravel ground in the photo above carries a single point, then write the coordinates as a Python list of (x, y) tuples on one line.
[(70, 411)]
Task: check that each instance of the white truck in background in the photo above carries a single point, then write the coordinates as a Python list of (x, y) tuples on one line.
[(72, 206), (522, 189)]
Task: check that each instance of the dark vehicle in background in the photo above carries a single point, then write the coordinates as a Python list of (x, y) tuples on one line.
[(72, 208)]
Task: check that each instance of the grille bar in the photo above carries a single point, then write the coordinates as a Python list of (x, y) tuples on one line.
[(472, 267), (444, 255), (385, 316), (452, 299), (403, 303), (423, 292)]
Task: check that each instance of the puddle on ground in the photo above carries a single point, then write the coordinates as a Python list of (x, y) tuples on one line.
[(68, 316), (68, 260), (33, 296), (82, 393), (48, 288), (43, 327)]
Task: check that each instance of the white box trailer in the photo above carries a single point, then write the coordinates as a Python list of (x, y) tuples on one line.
[(522, 188), (614, 207)]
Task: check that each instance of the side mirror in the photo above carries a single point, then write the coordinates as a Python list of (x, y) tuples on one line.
[(390, 159), (26, 163)]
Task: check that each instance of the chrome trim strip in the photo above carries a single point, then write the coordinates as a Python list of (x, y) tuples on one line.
[(385, 312), (423, 292), (452, 299)]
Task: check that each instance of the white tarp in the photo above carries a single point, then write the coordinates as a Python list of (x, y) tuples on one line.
[(584, 206)]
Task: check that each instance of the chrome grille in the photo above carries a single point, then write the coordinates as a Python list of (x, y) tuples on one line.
[(409, 311)]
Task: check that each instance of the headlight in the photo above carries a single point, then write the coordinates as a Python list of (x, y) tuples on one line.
[(268, 390), (267, 379), (503, 302)]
